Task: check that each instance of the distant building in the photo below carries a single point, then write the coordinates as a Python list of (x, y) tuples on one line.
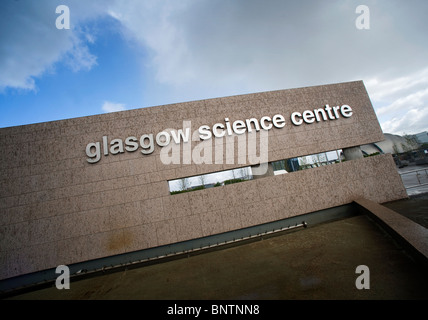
[(422, 137), (392, 144)]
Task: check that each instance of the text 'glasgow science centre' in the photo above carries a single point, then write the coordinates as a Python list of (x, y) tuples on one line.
[(147, 141)]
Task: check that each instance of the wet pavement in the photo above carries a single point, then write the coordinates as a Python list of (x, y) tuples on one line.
[(414, 208)]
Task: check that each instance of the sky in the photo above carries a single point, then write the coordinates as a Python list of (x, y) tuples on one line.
[(120, 55)]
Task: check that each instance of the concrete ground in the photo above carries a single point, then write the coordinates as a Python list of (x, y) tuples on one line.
[(318, 262), (414, 208)]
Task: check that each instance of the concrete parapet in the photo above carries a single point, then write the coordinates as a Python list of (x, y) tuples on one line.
[(409, 233)]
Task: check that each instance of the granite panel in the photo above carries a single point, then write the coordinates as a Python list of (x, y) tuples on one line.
[(53, 201)]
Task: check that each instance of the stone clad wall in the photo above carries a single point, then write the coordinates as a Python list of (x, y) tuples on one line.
[(56, 208)]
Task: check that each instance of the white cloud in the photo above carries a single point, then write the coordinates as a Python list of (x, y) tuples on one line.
[(409, 100), (31, 44), (208, 49), (392, 88), (203, 49), (402, 102), (268, 44), (410, 122), (78, 56), (153, 24), (112, 106)]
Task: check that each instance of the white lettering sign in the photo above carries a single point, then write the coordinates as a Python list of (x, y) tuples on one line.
[(147, 141)]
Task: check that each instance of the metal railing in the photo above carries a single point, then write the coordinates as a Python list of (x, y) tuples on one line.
[(418, 175)]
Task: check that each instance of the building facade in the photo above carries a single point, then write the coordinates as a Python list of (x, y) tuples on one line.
[(87, 188)]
